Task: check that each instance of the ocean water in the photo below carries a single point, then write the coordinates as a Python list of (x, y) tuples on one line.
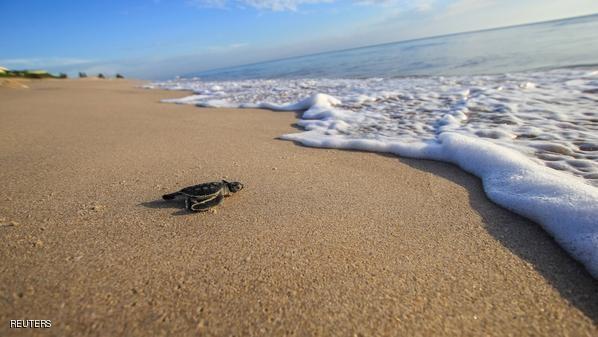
[(563, 43), (517, 107)]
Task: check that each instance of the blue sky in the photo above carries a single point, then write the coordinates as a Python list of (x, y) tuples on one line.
[(164, 38)]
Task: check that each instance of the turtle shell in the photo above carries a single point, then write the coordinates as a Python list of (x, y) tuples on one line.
[(203, 190)]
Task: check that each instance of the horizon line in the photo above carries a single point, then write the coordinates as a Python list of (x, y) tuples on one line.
[(388, 43)]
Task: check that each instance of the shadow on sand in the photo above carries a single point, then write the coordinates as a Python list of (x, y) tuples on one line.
[(523, 237), (179, 205)]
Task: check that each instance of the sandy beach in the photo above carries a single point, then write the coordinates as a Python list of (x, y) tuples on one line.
[(320, 242)]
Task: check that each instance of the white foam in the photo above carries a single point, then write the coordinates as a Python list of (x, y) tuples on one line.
[(531, 137)]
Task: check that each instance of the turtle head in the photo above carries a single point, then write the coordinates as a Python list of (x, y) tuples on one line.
[(233, 186)]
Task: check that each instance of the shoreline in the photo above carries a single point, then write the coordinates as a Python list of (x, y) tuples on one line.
[(521, 169), (320, 242)]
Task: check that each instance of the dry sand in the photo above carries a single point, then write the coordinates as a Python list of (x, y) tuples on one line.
[(320, 243), (14, 83)]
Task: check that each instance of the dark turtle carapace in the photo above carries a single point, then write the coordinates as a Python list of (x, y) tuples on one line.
[(202, 197)]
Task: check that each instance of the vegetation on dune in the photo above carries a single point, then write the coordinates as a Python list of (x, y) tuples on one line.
[(29, 74), (4, 72)]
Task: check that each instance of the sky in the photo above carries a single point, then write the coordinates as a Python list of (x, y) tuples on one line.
[(158, 39)]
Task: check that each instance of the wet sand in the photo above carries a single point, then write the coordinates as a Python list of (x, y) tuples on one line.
[(321, 242)]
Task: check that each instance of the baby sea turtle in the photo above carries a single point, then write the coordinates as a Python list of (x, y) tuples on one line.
[(202, 197)]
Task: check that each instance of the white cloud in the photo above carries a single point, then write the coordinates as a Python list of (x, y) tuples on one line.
[(272, 5), (280, 5), (228, 47), (293, 5), (403, 5), (420, 4), (464, 6)]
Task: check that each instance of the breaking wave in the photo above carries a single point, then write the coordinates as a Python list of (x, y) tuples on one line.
[(531, 137)]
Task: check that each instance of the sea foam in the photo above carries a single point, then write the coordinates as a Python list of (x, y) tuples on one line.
[(531, 137)]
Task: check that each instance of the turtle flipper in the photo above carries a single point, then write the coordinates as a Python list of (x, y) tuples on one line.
[(171, 196), (201, 205)]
